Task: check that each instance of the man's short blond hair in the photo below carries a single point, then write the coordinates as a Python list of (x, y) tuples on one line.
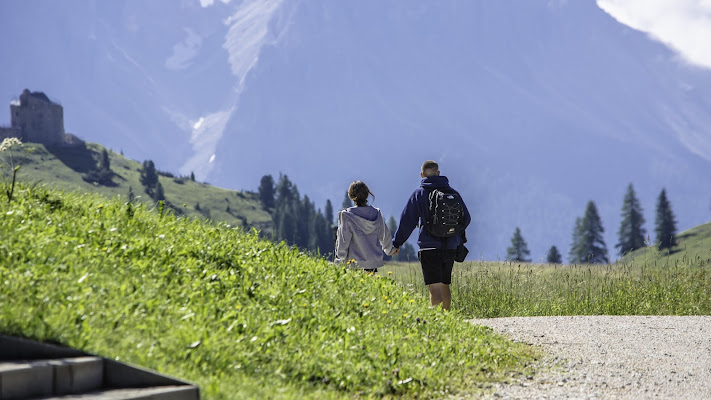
[(430, 168)]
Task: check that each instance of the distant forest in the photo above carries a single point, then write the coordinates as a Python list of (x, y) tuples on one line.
[(297, 221)]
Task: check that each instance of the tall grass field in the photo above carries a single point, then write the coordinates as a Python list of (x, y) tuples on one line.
[(216, 305), (651, 284)]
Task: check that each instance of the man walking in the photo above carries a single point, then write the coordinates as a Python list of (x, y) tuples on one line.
[(442, 217)]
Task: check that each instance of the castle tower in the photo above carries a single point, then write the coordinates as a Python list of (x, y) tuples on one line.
[(38, 118)]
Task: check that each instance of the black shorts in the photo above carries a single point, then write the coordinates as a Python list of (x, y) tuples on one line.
[(437, 265)]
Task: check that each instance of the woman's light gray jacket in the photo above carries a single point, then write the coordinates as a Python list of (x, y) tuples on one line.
[(363, 237)]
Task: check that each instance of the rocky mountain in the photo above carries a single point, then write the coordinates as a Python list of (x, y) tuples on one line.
[(531, 107)]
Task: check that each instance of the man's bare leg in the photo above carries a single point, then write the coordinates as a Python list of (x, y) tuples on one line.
[(435, 294), (440, 294), (446, 296)]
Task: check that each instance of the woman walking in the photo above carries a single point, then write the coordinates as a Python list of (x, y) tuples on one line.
[(362, 234)]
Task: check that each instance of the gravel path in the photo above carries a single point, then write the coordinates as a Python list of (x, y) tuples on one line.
[(611, 357)]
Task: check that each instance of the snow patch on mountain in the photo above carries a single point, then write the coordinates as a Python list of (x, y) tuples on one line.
[(184, 51), (251, 28), (683, 25), (207, 132)]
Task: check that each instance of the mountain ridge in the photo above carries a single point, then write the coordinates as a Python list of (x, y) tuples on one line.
[(531, 108)]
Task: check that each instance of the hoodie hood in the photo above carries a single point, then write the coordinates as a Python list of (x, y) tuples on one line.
[(367, 218), (435, 182)]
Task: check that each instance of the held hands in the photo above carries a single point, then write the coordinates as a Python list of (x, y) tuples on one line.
[(397, 250)]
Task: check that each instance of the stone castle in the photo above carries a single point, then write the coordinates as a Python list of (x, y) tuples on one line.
[(35, 118)]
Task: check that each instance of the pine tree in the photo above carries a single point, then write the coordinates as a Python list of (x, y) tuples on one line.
[(287, 226), (392, 225), (593, 248), (101, 173), (631, 233), (665, 224), (159, 194), (104, 161), (519, 249), (347, 202), (266, 192), (328, 213), (553, 256), (149, 177), (283, 205), (321, 238), (304, 222), (286, 192), (576, 253), (192, 176), (131, 195)]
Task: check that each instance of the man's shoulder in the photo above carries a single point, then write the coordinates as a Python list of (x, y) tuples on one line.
[(417, 192)]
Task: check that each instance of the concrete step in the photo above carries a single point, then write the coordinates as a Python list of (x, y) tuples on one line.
[(37, 378), (182, 392)]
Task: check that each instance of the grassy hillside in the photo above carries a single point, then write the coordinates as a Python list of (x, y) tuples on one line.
[(240, 316), (694, 247), (65, 167)]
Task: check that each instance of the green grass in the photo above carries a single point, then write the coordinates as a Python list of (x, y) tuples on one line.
[(694, 248), (645, 282), (64, 168), (676, 286), (240, 316)]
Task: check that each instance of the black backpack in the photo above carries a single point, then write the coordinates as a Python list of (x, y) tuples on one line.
[(445, 216)]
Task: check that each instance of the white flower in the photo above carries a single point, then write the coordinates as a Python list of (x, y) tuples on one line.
[(9, 142)]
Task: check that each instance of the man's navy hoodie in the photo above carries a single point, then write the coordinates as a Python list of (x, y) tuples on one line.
[(415, 213)]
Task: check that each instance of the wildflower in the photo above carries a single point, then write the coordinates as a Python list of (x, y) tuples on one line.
[(9, 142), (390, 272), (412, 301), (366, 305)]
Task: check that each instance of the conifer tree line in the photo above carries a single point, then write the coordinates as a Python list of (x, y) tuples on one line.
[(296, 219), (588, 244)]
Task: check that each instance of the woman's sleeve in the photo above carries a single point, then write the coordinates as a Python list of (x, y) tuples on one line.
[(343, 239)]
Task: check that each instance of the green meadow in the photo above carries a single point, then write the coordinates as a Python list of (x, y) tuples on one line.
[(646, 283), (219, 306)]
